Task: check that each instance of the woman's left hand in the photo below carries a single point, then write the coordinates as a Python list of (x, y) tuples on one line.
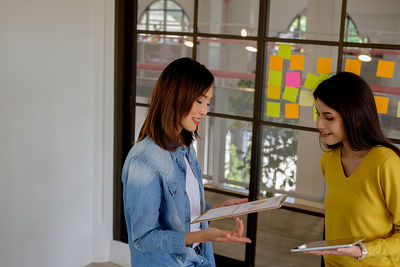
[(230, 202), (354, 252)]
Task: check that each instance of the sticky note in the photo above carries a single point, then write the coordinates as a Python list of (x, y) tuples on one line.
[(311, 81), (315, 113), (290, 94), (353, 65), (381, 104), (324, 76), (297, 62), (274, 91), (275, 63), (275, 77), (398, 109), (291, 110), (293, 79), (324, 65), (284, 51), (385, 69), (273, 109), (306, 98)]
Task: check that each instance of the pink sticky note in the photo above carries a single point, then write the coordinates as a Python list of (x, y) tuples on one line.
[(293, 79)]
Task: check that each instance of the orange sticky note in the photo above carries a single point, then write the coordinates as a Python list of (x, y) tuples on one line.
[(353, 65), (297, 62), (324, 65), (275, 63), (385, 69), (381, 104), (274, 91), (291, 110)]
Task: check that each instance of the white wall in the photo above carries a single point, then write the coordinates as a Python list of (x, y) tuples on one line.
[(56, 110)]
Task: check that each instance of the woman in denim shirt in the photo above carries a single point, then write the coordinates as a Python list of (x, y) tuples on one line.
[(162, 185)]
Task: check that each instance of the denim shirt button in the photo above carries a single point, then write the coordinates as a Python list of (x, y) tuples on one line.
[(202, 261)]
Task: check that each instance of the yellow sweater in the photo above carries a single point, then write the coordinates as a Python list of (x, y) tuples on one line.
[(367, 203)]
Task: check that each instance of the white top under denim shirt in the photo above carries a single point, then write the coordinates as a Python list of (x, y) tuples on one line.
[(157, 208), (193, 192)]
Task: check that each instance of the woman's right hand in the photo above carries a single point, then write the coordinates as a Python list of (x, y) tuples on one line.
[(214, 234)]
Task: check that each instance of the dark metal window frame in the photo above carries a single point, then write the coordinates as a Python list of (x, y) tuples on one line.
[(125, 103)]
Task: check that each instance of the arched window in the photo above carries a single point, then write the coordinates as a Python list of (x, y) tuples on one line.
[(298, 26), (164, 15)]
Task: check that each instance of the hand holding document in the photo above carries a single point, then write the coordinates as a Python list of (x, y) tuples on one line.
[(241, 209)]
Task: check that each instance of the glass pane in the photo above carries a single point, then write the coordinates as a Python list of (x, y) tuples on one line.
[(375, 21), (303, 19), (140, 116), (234, 17), (165, 16), (224, 152), (290, 164), (380, 68), (232, 250), (279, 230), (233, 66), (293, 70), (154, 53)]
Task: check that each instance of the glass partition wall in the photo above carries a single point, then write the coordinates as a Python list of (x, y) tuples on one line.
[(259, 138)]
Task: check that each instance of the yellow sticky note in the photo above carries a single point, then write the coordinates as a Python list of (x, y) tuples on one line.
[(284, 51), (273, 109), (297, 62), (306, 98), (385, 69), (315, 113), (291, 110), (324, 65), (311, 81), (324, 76), (290, 93), (275, 63), (398, 109), (381, 104), (353, 65), (274, 91), (275, 77)]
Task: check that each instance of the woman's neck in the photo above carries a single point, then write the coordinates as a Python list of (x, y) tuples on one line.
[(347, 152)]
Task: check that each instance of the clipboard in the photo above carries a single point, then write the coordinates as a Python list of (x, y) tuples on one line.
[(327, 244), (241, 209)]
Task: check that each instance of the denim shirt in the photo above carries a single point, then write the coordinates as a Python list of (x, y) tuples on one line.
[(157, 207)]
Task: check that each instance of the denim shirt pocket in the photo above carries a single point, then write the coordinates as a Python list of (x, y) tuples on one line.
[(172, 188)]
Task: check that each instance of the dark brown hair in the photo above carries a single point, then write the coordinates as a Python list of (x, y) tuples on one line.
[(352, 97), (179, 85)]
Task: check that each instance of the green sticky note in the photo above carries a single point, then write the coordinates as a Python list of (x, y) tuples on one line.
[(306, 98), (312, 81), (275, 77), (290, 94), (273, 109), (285, 51), (398, 110)]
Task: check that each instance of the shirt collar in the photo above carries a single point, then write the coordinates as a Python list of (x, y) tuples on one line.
[(180, 151)]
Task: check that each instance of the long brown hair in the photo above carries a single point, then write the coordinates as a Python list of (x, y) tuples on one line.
[(352, 97), (179, 85)]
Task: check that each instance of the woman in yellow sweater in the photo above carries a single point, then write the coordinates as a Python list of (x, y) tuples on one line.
[(362, 172)]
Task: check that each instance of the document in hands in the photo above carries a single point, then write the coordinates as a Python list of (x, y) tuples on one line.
[(243, 208)]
